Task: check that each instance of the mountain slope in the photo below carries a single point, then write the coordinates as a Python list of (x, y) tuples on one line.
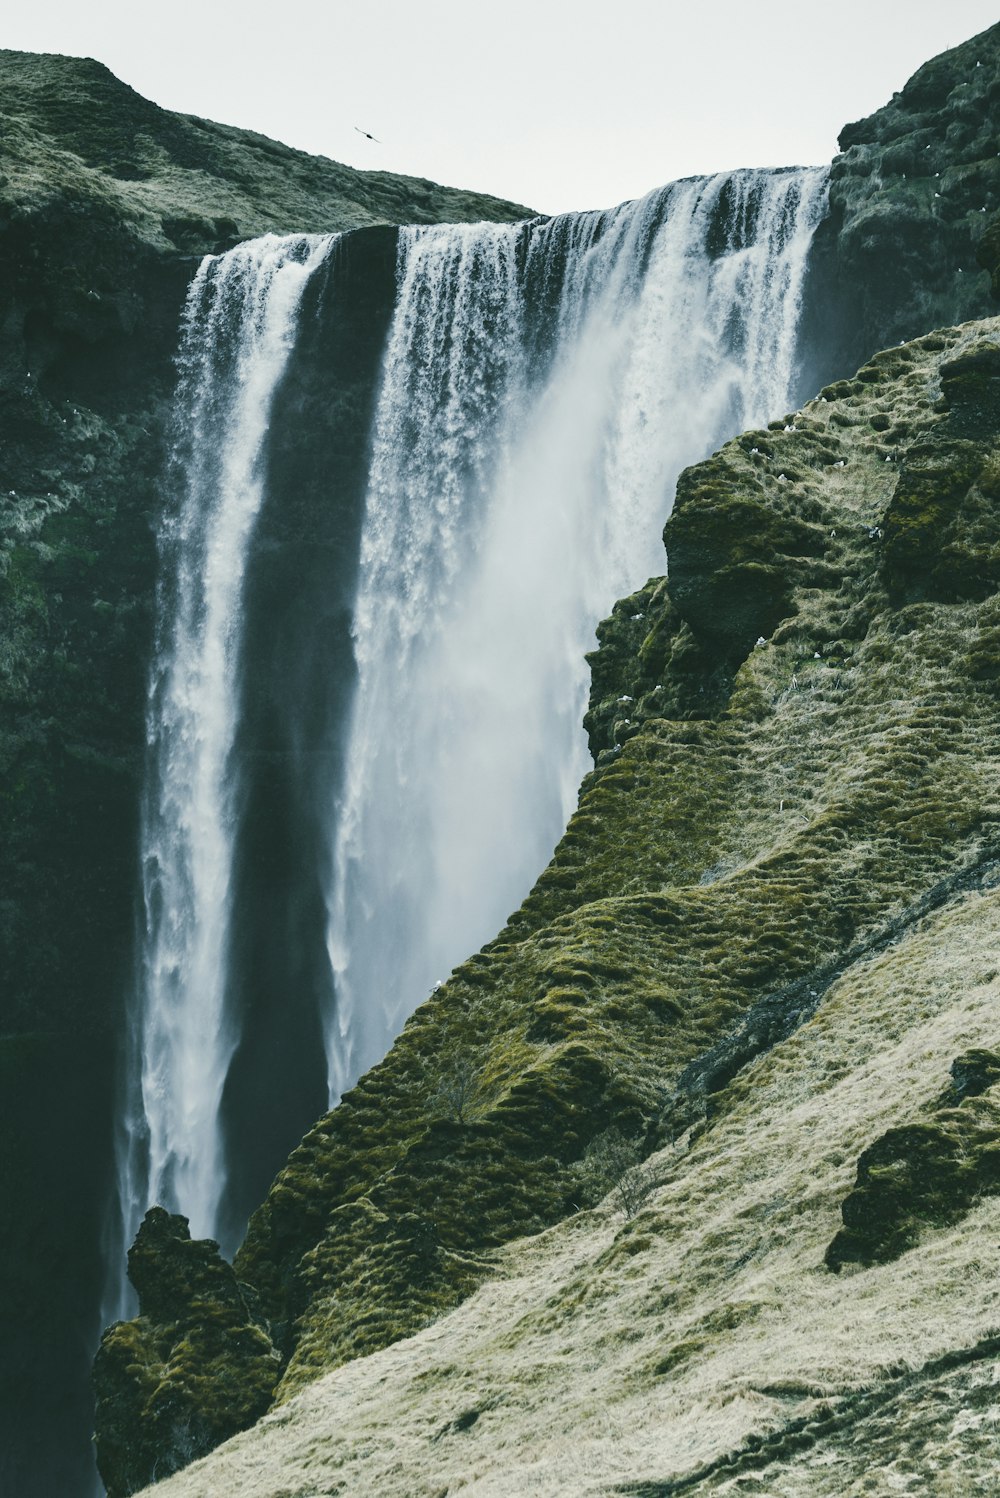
[(765, 947), (178, 182)]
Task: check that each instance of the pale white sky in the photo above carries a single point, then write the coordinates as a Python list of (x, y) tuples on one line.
[(555, 104)]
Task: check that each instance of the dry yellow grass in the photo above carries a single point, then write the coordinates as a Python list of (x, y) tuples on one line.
[(604, 1353)]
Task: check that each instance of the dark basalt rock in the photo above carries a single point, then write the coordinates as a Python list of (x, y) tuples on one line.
[(298, 677), (973, 1073), (988, 254), (970, 388), (942, 526), (914, 199), (195, 1367), (928, 1173)]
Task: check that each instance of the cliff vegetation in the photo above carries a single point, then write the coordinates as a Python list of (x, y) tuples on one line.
[(764, 951)]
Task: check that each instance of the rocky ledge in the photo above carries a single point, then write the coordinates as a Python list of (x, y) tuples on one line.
[(914, 208)]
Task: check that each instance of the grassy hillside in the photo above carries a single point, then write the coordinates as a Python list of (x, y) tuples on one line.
[(764, 952)]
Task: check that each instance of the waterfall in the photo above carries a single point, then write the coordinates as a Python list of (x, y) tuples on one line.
[(237, 331), (543, 386)]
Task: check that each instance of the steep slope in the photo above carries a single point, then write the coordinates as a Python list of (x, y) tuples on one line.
[(765, 950)]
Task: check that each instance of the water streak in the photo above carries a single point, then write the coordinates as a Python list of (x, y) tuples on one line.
[(543, 386), (237, 331)]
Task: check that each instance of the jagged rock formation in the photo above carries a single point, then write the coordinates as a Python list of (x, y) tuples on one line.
[(760, 947), (196, 1365), (914, 203)]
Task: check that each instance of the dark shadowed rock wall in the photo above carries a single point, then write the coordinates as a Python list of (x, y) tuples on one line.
[(297, 687), (106, 204), (914, 203)]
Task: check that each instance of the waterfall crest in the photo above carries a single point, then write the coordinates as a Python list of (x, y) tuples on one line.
[(237, 331), (543, 386)]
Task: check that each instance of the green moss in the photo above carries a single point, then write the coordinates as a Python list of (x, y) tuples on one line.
[(191, 1370), (777, 799), (737, 548)]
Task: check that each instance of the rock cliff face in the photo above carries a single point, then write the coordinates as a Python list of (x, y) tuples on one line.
[(206, 1363), (106, 202), (764, 951), (914, 204)]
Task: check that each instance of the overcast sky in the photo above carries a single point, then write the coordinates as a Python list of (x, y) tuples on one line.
[(556, 105)]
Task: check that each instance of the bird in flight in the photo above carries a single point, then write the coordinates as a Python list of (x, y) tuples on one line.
[(367, 135)]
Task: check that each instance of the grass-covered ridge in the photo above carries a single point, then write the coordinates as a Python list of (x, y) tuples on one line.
[(801, 804), (181, 183)]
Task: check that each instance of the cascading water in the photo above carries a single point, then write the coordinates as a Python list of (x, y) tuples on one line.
[(237, 331), (543, 386)]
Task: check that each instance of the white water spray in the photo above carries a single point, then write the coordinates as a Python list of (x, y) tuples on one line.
[(237, 332), (543, 387)]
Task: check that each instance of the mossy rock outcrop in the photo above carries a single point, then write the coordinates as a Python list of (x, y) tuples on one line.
[(940, 530), (195, 1366), (926, 1173), (914, 203), (737, 554)]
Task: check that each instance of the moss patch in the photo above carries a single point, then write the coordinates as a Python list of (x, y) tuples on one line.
[(193, 1368)]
